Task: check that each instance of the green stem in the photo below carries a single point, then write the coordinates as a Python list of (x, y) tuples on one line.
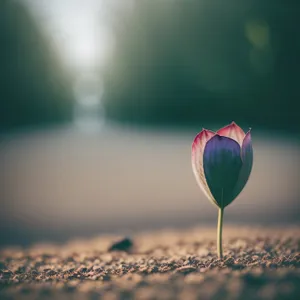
[(220, 226)]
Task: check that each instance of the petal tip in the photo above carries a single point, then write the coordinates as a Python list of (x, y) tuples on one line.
[(248, 132), (232, 131), (201, 138)]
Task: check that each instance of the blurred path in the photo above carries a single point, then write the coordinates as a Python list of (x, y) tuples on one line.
[(64, 182)]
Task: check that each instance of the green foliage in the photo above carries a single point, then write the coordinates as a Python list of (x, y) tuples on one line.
[(185, 62), (34, 89)]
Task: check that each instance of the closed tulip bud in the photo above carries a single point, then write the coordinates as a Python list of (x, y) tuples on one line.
[(222, 164)]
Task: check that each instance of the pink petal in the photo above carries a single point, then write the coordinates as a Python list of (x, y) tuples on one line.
[(233, 131), (197, 161), (247, 159)]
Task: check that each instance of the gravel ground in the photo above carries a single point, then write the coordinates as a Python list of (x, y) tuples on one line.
[(259, 263)]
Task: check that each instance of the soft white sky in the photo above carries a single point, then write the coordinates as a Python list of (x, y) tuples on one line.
[(79, 28)]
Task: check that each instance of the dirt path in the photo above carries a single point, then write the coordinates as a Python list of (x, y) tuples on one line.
[(259, 263)]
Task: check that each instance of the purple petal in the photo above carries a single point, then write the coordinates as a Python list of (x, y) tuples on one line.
[(247, 158), (222, 165)]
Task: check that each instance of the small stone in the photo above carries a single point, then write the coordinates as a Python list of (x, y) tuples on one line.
[(186, 269), (122, 245), (229, 261), (51, 273)]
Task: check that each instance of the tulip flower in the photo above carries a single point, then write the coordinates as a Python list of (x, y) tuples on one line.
[(222, 163)]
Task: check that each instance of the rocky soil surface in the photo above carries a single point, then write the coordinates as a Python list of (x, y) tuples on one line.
[(259, 263)]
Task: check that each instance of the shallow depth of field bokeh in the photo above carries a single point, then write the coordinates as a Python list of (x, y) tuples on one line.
[(101, 100)]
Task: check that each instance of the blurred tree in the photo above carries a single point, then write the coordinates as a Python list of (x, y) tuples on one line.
[(33, 87), (193, 62)]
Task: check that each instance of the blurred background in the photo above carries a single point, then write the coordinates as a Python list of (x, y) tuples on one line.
[(101, 100)]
